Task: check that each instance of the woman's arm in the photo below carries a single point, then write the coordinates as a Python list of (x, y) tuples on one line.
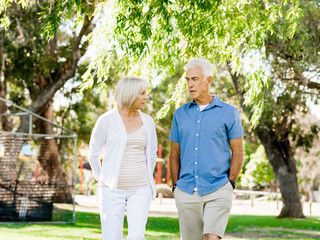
[(97, 142)]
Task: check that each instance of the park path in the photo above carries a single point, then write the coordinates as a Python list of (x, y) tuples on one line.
[(166, 207)]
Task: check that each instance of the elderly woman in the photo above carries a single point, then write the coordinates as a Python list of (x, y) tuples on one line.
[(128, 137)]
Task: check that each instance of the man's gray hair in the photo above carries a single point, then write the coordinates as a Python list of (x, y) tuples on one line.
[(128, 89), (205, 64)]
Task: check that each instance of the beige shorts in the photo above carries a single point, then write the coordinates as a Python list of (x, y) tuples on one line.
[(199, 215)]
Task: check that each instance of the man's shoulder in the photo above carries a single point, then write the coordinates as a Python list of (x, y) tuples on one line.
[(183, 108), (227, 106)]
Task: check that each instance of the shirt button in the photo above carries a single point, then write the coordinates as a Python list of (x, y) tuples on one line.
[(197, 134), (198, 120), (197, 108), (196, 176), (196, 163), (196, 149)]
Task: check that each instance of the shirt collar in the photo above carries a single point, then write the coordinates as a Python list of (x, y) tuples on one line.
[(216, 102)]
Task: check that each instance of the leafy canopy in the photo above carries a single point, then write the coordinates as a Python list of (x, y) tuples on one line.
[(151, 35)]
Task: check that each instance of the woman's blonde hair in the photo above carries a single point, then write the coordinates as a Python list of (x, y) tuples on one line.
[(128, 89)]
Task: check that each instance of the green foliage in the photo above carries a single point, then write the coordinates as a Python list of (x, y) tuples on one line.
[(4, 5), (60, 10), (154, 34), (258, 170), (28, 53)]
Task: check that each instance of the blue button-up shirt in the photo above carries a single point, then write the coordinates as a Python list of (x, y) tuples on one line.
[(204, 144)]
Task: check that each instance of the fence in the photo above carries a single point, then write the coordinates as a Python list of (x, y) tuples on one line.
[(37, 170)]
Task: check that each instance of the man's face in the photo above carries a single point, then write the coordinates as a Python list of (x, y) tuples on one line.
[(197, 85)]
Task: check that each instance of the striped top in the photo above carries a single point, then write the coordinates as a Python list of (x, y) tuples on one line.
[(133, 170)]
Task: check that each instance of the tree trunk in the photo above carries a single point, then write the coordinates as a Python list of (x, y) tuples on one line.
[(49, 159), (281, 159), (280, 156)]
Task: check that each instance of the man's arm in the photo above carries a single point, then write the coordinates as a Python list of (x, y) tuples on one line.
[(174, 160), (236, 161)]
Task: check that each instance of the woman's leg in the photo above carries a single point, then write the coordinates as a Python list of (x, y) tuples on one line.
[(138, 204), (112, 207)]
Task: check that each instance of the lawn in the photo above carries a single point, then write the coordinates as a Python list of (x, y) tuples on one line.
[(87, 226)]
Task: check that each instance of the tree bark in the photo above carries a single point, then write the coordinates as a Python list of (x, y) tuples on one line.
[(280, 156), (49, 159), (281, 159)]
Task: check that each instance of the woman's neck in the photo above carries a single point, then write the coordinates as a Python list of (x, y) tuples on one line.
[(128, 112)]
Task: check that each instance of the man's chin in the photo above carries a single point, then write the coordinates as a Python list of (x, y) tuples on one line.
[(192, 95)]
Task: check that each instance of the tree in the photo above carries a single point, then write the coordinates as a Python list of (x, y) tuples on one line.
[(274, 131), (153, 34), (42, 69)]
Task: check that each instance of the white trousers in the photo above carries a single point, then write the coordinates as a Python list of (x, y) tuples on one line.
[(112, 208)]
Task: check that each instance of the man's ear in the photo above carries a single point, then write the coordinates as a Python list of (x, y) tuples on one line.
[(209, 80)]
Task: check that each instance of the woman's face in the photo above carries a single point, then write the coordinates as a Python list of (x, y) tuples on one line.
[(141, 100)]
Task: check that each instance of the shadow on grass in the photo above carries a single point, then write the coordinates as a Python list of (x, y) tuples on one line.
[(238, 222)]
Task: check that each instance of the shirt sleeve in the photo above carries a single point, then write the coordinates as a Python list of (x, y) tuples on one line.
[(234, 128), (174, 133), (97, 142)]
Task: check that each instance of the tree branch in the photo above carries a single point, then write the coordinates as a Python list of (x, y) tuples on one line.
[(66, 73)]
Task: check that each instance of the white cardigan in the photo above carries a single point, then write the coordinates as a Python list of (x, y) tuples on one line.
[(109, 133)]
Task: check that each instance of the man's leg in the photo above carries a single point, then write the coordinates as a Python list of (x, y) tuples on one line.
[(190, 211), (217, 211), (138, 204)]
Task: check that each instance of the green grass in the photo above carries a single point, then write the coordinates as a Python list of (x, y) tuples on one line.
[(87, 226), (271, 227), (237, 223)]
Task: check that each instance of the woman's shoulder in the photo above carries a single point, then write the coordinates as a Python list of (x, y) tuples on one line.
[(107, 115), (146, 116)]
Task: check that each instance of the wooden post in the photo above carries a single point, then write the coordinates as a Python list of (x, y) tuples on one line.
[(251, 198), (160, 198), (159, 164), (81, 174), (168, 172)]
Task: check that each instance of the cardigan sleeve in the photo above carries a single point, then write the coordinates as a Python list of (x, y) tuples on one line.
[(154, 146), (97, 142)]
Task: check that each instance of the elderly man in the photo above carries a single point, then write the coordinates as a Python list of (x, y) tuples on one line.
[(203, 170)]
